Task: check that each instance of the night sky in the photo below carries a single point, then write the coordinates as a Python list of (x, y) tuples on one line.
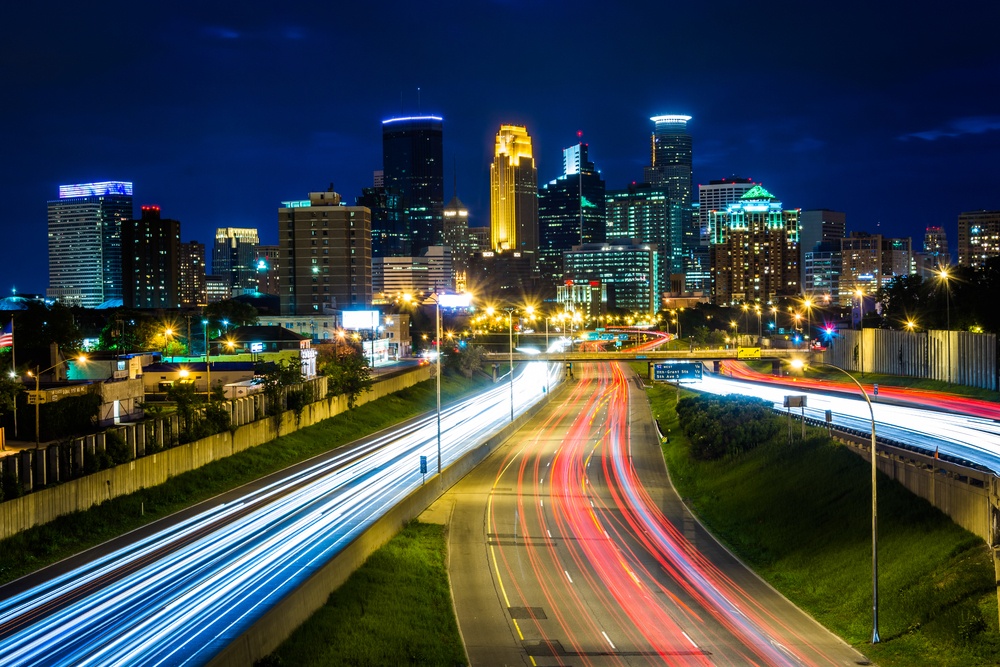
[(217, 112)]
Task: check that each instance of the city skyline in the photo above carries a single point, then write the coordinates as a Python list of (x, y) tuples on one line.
[(896, 131)]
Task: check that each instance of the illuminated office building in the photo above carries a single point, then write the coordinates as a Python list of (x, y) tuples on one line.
[(413, 169), (715, 196), (150, 260), (978, 237), (570, 212), (754, 250), (84, 230), (671, 157), (324, 250), (234, 258), (513, 192), (819, 227), (626, 269), (268, 269), (936, 245), (645, 212), (458, 237)]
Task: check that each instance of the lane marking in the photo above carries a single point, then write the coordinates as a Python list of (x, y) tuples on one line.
[(567, 576), (613, 647), (689, 639)]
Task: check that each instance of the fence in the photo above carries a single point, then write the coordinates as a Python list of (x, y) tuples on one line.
[(959, 357)]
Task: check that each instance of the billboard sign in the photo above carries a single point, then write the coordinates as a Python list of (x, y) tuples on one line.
[(360, 319), (677, 372)]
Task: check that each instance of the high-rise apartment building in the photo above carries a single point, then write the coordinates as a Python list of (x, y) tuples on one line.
[(570, 212), (233, 258), (324, 250), (429, 272), (150, 260), (978, 237), (936, 244), (390, 233), (413, 169), (192, 290), (513, 192), (84, 229), (870, 262), (715, 196), (722, 192), (754, 250), (268, 269)]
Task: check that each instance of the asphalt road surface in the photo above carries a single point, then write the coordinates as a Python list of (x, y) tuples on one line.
[(569, 546)]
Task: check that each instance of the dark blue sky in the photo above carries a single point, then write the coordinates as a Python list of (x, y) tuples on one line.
[(217, 112)]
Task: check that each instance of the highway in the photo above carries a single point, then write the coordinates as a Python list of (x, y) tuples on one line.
[(569, 546), (961, 437), (178, 593)]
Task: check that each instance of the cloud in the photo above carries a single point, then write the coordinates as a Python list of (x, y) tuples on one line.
[(957, 128), (219, 32)]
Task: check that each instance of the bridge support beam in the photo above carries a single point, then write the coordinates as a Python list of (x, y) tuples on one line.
[(716, 366)]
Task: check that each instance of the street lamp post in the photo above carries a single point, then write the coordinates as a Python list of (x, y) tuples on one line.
[(943, 275), (808, 305), (38, 391), (208, 364), (871, 411), (510, 354), (861, 325), (463, 300)]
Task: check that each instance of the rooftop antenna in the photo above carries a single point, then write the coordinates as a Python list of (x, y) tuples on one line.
[(418, 98)]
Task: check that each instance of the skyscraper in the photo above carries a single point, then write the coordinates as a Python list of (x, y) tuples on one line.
[(84, 228), (978, 237), (755, 250), (819, 227), (513, 192), (672, 157), (570, 212), (459, 239), (936, 246), (715, 196), (192, 288), (413, 169), (645, 212), (325, 255), (151, 260), (233, 258), (870, 262)]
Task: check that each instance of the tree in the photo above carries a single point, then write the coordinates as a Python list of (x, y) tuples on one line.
[(236, 313), (468, 360), (346, 370), (276, 377)]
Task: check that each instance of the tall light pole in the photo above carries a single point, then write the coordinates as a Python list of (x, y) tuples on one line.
[(463, 300), (208, 364), (760, 332), (38, 390), (861, 325), (510, 353), (798, 363), (808, 305), (943, 275)]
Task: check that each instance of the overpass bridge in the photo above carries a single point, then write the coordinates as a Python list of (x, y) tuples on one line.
[(765, 354)]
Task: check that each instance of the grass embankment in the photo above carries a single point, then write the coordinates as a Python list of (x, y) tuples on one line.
[(395, 610), (801, 517), (818, 372), (42, 545)]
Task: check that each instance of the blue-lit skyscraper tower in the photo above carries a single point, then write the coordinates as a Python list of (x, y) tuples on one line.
[(85, 252), (413, 171)]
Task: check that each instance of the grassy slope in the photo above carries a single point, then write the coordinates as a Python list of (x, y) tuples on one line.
[(801, 517), (70, 534), (395, 610)]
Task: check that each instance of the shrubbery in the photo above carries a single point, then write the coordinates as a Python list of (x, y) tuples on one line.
[(719, 426)]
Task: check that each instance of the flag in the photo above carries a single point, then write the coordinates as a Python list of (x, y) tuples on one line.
[(7, 335)]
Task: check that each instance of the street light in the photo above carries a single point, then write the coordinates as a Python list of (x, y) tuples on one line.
[(167, 333), (208, 364), (808, 305), (943, 275), (510, 354), (861, 325), (798, 363), (463, 300), (38, 390), (760, 332)]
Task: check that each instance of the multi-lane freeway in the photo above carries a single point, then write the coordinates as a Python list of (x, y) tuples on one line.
[(568, 546), (177, 593)]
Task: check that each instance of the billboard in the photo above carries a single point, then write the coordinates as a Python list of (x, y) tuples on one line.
[(463, 300), (360, 319), (676, 372)]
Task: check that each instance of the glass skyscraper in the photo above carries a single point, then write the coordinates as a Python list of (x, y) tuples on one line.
[(85, 252), (570, 212), (412, 169), (513, 192), (626, 269)]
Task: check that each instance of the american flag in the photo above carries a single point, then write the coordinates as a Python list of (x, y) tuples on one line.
[(7, 335)]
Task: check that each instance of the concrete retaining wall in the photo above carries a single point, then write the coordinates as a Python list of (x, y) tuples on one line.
[(282, 619), (53, 467)]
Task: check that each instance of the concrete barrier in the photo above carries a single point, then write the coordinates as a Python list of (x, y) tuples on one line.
[(283, 618), (40, 506)]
